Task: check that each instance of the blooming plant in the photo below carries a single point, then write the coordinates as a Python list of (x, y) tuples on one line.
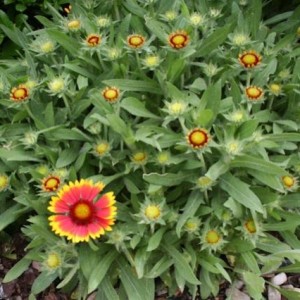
[(148, 142)]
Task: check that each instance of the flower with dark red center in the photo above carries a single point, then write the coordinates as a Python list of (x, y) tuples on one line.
[(249, 59), (80, 213), (111, 94), (135, 41), (50, 183), (178, 39), (19, 93), (93, 40), (198, 138), (254, 92)]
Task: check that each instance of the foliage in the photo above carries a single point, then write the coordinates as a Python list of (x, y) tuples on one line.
[(188, 111)]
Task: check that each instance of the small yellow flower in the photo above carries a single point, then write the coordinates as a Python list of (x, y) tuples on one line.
[(163, 157), (47, 47), (140, 157), (102, 148), (50, 183), (20, 93), (289, 182), (240, 39), (3, 182), (152, 212), (196, 19), (176, 108), (93, 40), (192, 225), (171, 15), (275, 88), (111, 94), (212, 237), (42, 169), (254, 93), (249, 59), (74, 25), (53, 261), (103, 21), (204, 183), (151, 61), (178, 39), (250, 226), (135, 41), (198, 138), (56, 85)]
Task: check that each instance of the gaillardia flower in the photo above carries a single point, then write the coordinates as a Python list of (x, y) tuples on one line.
[(101, 148), (93, 40), (198, 138), (249, 59), (289, 182), (178, 39), (73, 25), (135, 41), (80, 213), (51, 183), (111, 94), (53, 261), (19, 93), (140, 157), (275, 88), (3, 182), (250, 227), (212, 239), (254, 92)]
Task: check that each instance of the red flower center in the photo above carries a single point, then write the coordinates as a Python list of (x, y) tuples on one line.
[(93, 40), (82, 212), (19, 93), (198, 138), (135, 41), (249, 59)]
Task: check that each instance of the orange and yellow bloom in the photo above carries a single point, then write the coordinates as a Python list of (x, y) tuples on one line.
[(178, 39), (51, 183), (135, 41), (111, 94), (198, 138), (80, 213), (249, 59), (254, 92), (93, 40), (19, 93)]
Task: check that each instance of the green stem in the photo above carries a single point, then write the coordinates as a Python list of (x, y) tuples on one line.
[(116, 8), (248, 78), (67, 105), (128, 256), (49, 129), (201, 157), (181, 121)]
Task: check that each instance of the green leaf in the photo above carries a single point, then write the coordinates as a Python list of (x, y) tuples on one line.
[(66, 157), (293, 268), (163, 264), (137, 108), (283, 137), (71, 45), (255, 285), (100, 270), (157, 28), (255, 163), (247, 129), (136, 289), (214, 40), (17, 155), (290, 254), (240, 192), (181, 264), (288, 294), (18, 269), (11, 214), (167, 179), (68, 277), (155, 239), (217, 169), (107, 289), (42, 282), (189, 210), (69, 134), (251, 262), (267, 179), (134, 85)]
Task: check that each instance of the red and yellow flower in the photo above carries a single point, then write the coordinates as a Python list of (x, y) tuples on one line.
[(254, 92), (249, 59), (93, 40), (80, 212), (178, 39), (135, 41), (19, 93), (51, 183), (198, 138), (111, 94)]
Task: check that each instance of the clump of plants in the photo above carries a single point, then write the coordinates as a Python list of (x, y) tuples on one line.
[(153, 142)]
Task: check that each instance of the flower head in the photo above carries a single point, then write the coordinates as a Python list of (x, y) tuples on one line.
[(192, 225), (78, 216), (140, 157), (73, 25), (237, 116), (196, 19), (249, 59), (151, 61), (254, 93), (53, 261), (20, 93), (289, 182), (239, 39), (135, 41), (46, 47), (176, 108), (275, 89), (212, 239), (170, 15), (111, 94), (233, 147), (163, 157), (101, 148), (250, 226), (103, 21), (178, 39), (205, 183), (3, 182), (51, 183), (198, 138), (113, 53), (93, 40), (57, 85)]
